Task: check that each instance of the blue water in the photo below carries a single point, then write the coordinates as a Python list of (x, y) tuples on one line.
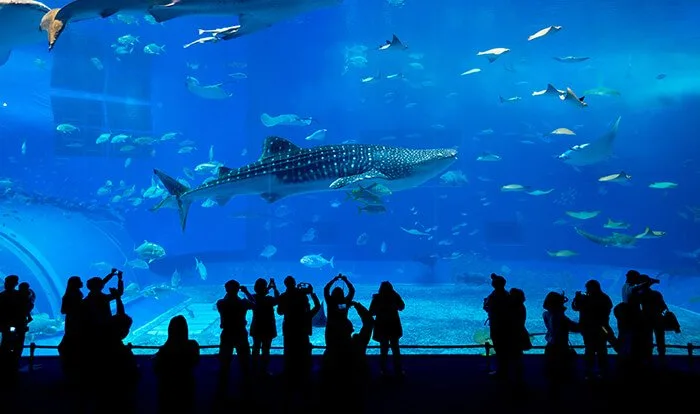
[(313, 65)]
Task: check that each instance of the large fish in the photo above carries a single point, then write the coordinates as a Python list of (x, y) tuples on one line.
[(618, 240), (286, 169), (253, 15), (592, 152), (19, 20)]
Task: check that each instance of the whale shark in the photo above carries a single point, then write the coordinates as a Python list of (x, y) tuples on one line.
[(253, 15), (619, 240), (285, 169), (18, 25), (592, 152)]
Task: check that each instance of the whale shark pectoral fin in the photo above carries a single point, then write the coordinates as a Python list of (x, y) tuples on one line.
[(108, 12), (271, 197), (164, 13), (4, 55), (353, 179)]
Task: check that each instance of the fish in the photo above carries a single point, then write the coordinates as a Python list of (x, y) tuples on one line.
[(650, 234), (544, 32), (582, 215), (571, 97), (316, 261), (620, 178), (19, 20), (562, 253), (615, 240), (562, 131), (493, 54), (571, 59), (617, 225), (550, 90), (253, 15), (394, 44), (285, 169), (663, 185), (592, 152)]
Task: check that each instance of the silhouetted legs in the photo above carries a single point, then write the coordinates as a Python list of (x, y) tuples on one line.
[(239, 343), (384, 347), (261, 354)]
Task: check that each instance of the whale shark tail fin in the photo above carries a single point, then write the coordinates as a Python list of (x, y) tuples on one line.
[(176, 189)]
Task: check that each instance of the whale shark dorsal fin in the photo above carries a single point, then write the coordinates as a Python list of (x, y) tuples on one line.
[(277, 145)]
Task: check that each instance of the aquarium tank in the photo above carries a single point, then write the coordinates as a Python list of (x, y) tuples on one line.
[(430, 144)]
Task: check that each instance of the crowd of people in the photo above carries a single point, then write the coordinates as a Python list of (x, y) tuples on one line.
[(642, 316), (94, 356)]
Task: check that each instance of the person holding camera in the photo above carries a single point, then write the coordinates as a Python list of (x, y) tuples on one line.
[(263, 327), (234, 336), (594, 308), (296, 329), (338, 326)]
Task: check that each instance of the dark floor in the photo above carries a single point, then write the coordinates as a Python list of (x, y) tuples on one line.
[(433, 384)]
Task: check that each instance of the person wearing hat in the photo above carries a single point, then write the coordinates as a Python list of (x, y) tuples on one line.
[(497, 306)]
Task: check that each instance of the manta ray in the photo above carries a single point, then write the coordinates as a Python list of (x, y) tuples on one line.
[(619, 240), (592, 152), (285, 169), (19, 20), (253, 15)]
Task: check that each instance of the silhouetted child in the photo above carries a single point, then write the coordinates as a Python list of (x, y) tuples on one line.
[(28, 297), (385, 307), (263, 327)]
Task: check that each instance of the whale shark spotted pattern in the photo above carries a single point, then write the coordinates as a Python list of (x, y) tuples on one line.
[(286, 169)]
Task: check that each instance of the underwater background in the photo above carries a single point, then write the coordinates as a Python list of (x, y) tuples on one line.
[(82, 128)]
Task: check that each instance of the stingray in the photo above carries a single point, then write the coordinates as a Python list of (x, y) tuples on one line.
[(215, 91), (19, 22), (592, 152)]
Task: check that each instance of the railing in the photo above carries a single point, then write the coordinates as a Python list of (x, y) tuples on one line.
[(487, 347)]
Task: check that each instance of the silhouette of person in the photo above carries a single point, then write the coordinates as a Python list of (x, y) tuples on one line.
[(70, 347), (559, 356), (338, 326), (97, 312), (263, 328), (521, 337), (498, 306), (234, 335), (385, 307), (594, 308), (174, 365), (27, 298), (296, 329), (653, 309), (13, 324)]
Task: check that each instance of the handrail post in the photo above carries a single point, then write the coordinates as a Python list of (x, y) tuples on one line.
[(32, 351), (690, 355), (487, 345)]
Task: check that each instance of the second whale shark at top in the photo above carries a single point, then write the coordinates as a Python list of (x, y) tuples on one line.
[(285, 169), (253, 15)]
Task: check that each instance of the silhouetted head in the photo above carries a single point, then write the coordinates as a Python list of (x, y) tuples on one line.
[(177, 329), (498, 282), (74, 283), (554, 301), (122, 325), (290, 283), (386, 288), (11, 282), (593, 286), (232, 287), (260, 286), (23, 287), (95, 284), (517, 295), (632, 277), (337, 294)]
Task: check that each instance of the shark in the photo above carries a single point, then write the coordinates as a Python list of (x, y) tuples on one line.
[(619, 240), (253, 15), (592, 152), (285, 169), (19, 20)]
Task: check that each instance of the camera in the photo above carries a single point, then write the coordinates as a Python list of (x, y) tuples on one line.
[(305, 288), (653, 281)]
